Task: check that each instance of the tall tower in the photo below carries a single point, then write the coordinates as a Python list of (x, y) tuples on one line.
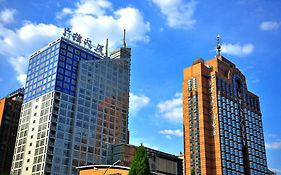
[(75, 105), (223, 131)]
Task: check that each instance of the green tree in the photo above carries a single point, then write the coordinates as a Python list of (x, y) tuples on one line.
[(140, 164), (193, 172)]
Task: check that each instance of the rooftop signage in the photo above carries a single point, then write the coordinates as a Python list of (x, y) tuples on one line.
[(78, 39)]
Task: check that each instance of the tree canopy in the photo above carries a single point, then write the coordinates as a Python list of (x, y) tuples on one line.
[(193, 172), (140, 164)]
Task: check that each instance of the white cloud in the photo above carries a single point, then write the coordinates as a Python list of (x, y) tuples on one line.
[(27, 39), (21, 79), (64, 13), (7, 16), (273, 145), (137, 102), (93, 7), (169, 133), (271, 135), (19, 64), (18, 44), (168, 137), (178, 13), (89, 18), (237, 49), (98, 21), (270, 25), (255, 79), (147, 145), (172, 109)]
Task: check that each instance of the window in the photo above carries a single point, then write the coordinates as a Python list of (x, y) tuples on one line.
[(70, 48)]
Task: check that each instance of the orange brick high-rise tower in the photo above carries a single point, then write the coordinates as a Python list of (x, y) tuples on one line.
[(223, 131)]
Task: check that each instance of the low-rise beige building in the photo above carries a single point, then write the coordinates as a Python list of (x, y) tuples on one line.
[(103, 169)]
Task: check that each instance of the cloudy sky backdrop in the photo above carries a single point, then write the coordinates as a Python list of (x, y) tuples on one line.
[(165, 37)]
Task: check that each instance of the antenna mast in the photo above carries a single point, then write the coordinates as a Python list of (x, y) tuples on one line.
[(106, 48), (124, 38), (218, 46)]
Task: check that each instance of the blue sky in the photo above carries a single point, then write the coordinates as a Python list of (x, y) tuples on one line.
[(165, 36)]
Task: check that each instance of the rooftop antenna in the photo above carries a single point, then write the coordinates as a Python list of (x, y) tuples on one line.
[(124, 38), (106, 48), (218, 46)]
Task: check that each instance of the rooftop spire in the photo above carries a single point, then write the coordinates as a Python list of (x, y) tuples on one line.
[(218, 46), (124, 38), (106, 48)]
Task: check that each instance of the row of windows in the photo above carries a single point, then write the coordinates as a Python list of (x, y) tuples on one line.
[(41, 73), (45, 52), (76, 51), (236, 171), (228, 90), (231, 142), (232, 149), (192, 84), (257, 160), (37, 91), (68, 65), (194, 132), (258, 168)]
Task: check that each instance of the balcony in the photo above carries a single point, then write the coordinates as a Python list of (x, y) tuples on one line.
[(51, 143), (48, 168), (51, 151), (49, 160), (55, 111), (53, 127), (55, 119), (53, 134)]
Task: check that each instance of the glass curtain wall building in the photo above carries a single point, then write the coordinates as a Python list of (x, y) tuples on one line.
[(75, 104), (223, 131)]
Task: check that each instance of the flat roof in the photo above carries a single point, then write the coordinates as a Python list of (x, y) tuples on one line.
[(102, 166)]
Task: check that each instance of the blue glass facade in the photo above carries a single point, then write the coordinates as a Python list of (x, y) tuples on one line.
[(42, 72), (55, 68)]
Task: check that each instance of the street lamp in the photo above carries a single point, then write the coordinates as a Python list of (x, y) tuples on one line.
[(115, 163)]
